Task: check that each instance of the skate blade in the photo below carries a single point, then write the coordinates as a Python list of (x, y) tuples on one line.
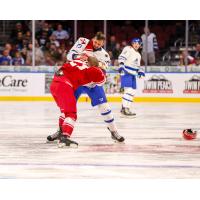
[(128, 117), (118, 142), (51, 142), (63, 145)]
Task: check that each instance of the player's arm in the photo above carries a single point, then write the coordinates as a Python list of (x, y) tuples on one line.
[(122, 59), (97, 76), (141, 72), (78, 48), (124, 55)]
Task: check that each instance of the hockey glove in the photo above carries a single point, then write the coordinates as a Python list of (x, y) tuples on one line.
[(141, 74), (121, 68)]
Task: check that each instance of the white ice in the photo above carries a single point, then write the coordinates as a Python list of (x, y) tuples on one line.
[(154, 147)]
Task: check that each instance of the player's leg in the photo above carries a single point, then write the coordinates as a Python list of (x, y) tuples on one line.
[(78, 92), (108, 117), (98, 98), (68, 107), (127, 101), (65, 99), (55, 136), (128, 82)]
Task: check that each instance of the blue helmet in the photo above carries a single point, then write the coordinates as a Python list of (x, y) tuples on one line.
[(138, 40)]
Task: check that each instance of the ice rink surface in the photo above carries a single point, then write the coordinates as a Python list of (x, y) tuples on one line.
[(154, 147)]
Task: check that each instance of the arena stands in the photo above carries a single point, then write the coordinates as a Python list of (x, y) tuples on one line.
[(16, 40)]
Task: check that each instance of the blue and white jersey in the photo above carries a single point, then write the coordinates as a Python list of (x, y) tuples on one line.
[(102, 56), (131, 60), (152, 43)]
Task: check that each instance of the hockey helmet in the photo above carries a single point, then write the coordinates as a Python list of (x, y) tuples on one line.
[(189, 134), (136, 40)]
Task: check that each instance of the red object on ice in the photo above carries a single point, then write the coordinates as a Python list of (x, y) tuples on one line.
[(189, 134)]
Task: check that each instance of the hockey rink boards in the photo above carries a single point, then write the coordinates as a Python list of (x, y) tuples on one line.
[(154, 147)]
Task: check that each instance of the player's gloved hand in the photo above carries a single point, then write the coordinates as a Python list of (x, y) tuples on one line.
[(141, 74), (121, 69)]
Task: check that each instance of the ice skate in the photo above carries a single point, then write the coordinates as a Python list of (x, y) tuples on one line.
[(64, 141), (116, 137), (55, 136), (125, 112)]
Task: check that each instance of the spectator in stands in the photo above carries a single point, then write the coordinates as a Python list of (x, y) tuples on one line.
[(48, 59), (152, 46), (112, 43), (18, 28), (43, 39), (111, 57), (9, 47), (29, 55), (5, 59), (43, 34), (190, 60), (196, 54), (47, 28), (116, 52), (39, 55), (56, 53), (61, 35), (18, 60), (19, 40), (24, 53), (63, 47), (53, 40), (28, 36), (124, 43)]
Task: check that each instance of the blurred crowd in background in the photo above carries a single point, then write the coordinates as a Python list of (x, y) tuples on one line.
[(54, 38)]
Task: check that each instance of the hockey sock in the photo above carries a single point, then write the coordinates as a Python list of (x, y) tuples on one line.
[(68, 124), (61, 119), (107, 115), (127, 98)]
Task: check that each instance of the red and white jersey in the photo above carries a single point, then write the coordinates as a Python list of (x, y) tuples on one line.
[(85, 46), (77, 73)]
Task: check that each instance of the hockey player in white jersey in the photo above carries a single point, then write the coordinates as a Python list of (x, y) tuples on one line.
[(81, 50), (129, 68)]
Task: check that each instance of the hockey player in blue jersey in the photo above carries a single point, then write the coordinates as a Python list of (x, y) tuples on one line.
[(129, 68), (81, 50)]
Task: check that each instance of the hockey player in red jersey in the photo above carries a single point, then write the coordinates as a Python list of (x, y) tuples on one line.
[(68, 78)]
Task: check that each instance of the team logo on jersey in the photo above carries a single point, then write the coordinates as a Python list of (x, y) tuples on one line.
[(136, 62), (100, 99), (192, 86), (83, 41), (78, 45), (157, 84)]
